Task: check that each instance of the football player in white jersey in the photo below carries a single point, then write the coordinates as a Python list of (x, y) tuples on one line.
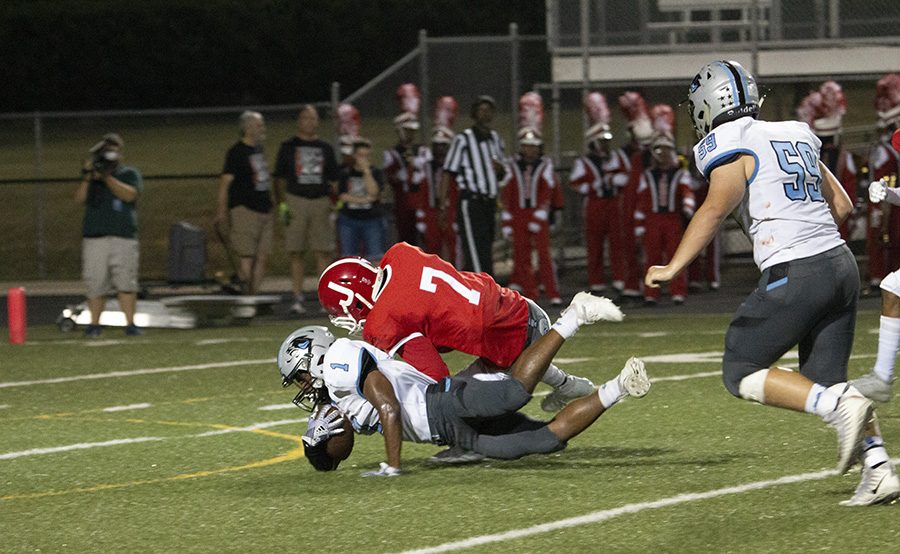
[(379, 394), (790, 205), (878, 384)]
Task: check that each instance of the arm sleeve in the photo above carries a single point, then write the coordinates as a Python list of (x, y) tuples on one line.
[(229, 167), (422, 355), (721, 147), (454, 155), (132, 177)]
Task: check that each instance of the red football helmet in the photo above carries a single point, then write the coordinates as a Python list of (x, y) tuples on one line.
[(346, 291)]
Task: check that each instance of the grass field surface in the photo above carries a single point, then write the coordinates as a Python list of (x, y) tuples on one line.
[(184, 441)]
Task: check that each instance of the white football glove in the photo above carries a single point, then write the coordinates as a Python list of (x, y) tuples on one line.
[(877, 191), (534, 227), (506, 230), (383, 471), (541, 215), (323, 424)]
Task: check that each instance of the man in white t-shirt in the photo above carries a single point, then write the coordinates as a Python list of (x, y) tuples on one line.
[(790, 205)]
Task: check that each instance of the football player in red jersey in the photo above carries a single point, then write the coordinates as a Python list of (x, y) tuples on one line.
[(417, 305)]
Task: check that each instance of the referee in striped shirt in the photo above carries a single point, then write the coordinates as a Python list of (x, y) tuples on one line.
[(476, 160)]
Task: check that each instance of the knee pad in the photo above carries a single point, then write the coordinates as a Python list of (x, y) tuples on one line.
[(735, 368), (752, 387)]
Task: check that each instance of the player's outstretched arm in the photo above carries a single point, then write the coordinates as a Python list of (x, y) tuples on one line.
[(880, 192), (726, 190), (838, 201), (380, 394)]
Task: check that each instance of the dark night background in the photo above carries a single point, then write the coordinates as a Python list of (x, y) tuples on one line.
[(104, 54)]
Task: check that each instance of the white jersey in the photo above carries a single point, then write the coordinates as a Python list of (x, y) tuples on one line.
[(347, 362), (785, 214)]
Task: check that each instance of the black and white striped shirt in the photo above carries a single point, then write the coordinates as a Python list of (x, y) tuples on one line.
[(470, 158)]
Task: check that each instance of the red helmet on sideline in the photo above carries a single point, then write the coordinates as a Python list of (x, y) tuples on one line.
[(346, 290)]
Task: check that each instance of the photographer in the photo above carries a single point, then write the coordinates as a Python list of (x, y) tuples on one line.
[(109, 256)]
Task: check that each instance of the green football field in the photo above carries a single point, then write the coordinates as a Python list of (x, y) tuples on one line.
[(184, 441)]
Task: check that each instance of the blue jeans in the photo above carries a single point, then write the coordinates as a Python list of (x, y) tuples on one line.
[(361, 237)]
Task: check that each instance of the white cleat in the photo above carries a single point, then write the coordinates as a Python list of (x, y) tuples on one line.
[(633, 379), (591, 309), (872, 387), (849, 420), (879, 485), (573, 387)]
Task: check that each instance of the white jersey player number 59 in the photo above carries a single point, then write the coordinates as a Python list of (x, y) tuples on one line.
[(428, 284)]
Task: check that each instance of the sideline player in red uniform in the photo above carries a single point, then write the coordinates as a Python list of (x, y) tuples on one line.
[(417, 305)]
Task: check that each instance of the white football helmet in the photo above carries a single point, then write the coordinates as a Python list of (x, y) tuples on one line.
[(721, 91), (303, 351)]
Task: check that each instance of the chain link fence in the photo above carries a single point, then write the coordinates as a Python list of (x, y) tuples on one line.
[(180, 152)]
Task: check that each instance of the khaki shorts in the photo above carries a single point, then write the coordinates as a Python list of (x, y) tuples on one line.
[(311, 227), (109, 261), (251, 231)]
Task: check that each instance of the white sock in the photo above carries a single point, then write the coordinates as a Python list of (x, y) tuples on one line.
[(821, 401), (888, 342), (609, 393), (874, 453), (567, 324), (554, 376)]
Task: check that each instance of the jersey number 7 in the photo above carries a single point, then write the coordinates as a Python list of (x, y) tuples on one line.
[(428, 284)]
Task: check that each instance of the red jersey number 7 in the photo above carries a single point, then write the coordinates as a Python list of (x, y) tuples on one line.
[(428, 284)]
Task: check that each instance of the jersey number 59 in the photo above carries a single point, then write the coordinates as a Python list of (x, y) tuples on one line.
[(800, 161)]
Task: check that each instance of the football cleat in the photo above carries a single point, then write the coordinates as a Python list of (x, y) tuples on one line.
[(456, 455), (872, 387), (591, 309), (849, 419), (879, 485), (633, 379), (573, 387)]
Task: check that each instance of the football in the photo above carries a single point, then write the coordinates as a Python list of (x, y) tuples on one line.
[(340, 446)]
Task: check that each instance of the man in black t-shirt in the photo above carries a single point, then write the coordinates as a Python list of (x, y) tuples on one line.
[(306, 176), (245, 200)]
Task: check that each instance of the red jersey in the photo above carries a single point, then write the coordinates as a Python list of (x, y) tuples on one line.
[(426, 306)]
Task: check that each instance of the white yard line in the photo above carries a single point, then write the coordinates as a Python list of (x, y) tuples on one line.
[(117, 442), (273, 407), (253, 427), (141, 406), (118, 374), (686, 377), (78, 446), (634, 508)]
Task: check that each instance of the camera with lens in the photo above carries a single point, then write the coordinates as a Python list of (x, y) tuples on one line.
[(105, 161), (104, 158)]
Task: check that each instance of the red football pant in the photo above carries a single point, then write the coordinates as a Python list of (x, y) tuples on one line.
[(602, 221), (523, 243), (661, 238)]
